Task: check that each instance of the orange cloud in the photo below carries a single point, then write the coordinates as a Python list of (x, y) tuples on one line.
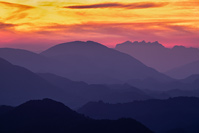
[(17, 11), (21, 7)]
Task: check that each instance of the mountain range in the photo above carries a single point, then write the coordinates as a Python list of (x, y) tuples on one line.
[(155, 55), (89, 61), (100, 64), (76, 73), (42, 116), (18, 85), (83, 92)]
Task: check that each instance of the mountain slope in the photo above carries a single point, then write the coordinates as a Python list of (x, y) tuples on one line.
[(94, 63), (32, 61), (18, 84), (157, 56), (38, 116), (24, 58), (4, 109), (172, 115), (184, 71), (84, 92)]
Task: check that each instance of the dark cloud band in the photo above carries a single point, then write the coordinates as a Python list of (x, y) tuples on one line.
[(119, 5), (4, 26)]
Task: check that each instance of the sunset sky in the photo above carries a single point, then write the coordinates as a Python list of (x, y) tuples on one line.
[(39, 24)]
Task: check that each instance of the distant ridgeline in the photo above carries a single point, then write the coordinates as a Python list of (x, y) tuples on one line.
[(89, 61), (78, 72), (18, 85), (173, 61)]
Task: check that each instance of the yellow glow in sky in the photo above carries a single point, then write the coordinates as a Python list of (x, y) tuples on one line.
[(172, 22)]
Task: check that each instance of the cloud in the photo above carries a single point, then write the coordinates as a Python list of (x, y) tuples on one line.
[(18, 11), (120, 30), (140, 5), (168, 32), (6, 26), (186, 3), (21, 7), (110, 33), (180, 28)]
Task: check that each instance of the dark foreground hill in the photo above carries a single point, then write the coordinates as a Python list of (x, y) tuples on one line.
[(48, 116), (5, 109), (174, 115)]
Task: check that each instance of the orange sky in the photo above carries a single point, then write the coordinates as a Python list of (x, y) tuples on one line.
[(38, 24)]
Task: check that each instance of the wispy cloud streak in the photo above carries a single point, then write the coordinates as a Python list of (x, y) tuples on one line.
[(19, 6), (140, 5)]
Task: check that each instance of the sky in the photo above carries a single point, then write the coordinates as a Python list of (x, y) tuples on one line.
[(39, 24)]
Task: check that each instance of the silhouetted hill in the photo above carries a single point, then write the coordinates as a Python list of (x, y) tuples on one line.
[(24, 58), (181, 113), (84, 92), (94, 63), (159, 115), (157, 56), (155, 85), (189, 84), (83, 61), (4, 109), (76, 48), (184, 70), (19, 85), (190, 79), (184, 87), (148, 88), (32, 61), (39, 116), (63, 82)]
